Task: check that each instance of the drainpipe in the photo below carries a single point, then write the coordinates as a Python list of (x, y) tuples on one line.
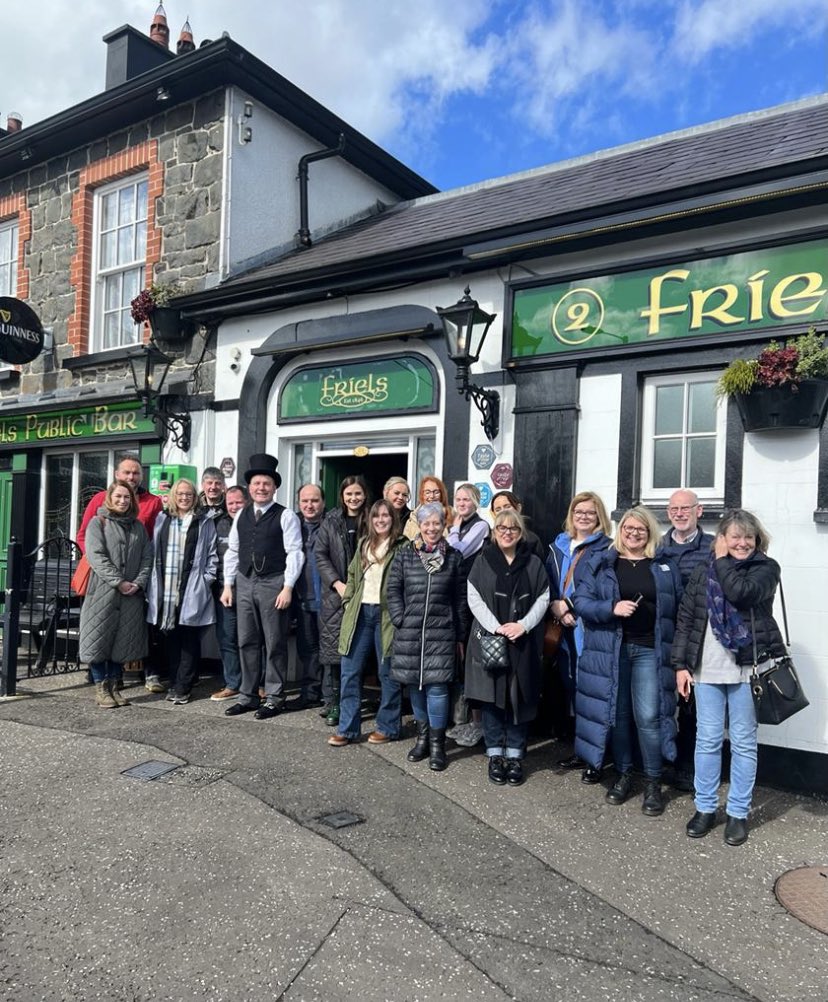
[(303, 236)]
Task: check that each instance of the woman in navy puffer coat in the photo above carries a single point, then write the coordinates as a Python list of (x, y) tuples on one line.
[(628, 603)]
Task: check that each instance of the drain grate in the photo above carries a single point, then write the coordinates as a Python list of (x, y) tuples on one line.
[(341, 819), (804, 893), (149, 770)]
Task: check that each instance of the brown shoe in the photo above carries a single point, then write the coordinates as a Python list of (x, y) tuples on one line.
[(338, 740), (378, 738), (224, 693)]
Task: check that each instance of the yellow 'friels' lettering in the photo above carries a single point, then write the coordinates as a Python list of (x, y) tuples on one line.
[(718, 313), (812, 281), (655, 311)]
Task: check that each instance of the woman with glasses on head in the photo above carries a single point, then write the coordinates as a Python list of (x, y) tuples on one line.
[(337, 540), (508, 594), (509, 501), (725, 615), (431, 490), (627, 601), (180, 593), (586, 532)]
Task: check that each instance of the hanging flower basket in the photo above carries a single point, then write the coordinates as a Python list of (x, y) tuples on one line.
[(786, 407), (165, 323), (150, 307)]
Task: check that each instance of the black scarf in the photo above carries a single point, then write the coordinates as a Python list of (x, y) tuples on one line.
[(510, 579)]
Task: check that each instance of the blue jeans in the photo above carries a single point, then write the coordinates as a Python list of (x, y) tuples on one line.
[(503, 737), (430, 703), (227, 635), (368, 631), (712, 699), (639, 698), (102, 670)]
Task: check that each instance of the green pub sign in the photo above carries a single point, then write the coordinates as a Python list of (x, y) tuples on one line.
[(398, 384), (750, 291), (53, 427)]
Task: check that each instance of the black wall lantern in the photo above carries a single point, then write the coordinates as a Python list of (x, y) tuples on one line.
[(466, 326), (149, 366)]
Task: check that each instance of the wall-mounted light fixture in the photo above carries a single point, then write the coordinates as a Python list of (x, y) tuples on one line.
[(162, 94), (466, 326), (149, 366)]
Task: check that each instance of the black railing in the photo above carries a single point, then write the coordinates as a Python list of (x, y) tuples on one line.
[(41, 616)]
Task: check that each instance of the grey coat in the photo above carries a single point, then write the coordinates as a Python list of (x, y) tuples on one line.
[(112, 626), (195, 596)]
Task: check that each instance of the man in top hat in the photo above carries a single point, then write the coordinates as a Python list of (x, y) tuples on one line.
[(263, 562)]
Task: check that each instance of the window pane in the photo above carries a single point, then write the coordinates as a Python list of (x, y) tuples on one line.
[(669, 416), (129, 329), (132, 285), (107, 250), (93, 472), (140, 242), (126, 250), (141, 208), (110, 339), (667, 464), (112, 292), (126, 205), (702, 415), (109, 206), (701, 462), (58, 491), (426, 459)]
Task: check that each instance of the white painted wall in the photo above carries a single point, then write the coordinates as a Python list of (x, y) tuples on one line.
[(262, 193), (599, 428)]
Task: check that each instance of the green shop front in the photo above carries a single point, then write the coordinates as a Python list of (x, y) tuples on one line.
[(53, 461)]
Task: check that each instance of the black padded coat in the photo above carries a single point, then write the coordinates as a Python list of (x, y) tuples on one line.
[(429, 617), (332, 558), (747, 584)]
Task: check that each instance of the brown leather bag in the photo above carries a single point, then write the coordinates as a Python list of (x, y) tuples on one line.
[(552, 636), (80, 579)]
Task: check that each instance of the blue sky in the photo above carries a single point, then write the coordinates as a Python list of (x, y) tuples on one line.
[(465, 90)]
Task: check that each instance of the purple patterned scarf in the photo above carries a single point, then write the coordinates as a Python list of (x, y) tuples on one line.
[(727, 625)]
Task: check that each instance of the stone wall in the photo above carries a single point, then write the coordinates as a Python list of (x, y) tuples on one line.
[(189, 140)]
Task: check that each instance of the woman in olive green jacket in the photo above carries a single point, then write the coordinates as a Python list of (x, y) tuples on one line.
[(365, 622)]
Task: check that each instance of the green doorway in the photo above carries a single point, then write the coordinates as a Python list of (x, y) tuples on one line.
[(375, 470)]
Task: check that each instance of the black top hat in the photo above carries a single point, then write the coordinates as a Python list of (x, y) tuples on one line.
[(263, 464)]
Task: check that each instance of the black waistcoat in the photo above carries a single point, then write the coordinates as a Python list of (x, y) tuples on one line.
[(261, 544)]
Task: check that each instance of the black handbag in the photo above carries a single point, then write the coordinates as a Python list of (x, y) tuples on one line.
[(777, 692), (494, 652)]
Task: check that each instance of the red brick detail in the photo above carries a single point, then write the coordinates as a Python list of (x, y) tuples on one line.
[(143, 157), (11, 206)]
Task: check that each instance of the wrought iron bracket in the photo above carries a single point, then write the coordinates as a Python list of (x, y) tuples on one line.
[(486, 401), (174, 425)]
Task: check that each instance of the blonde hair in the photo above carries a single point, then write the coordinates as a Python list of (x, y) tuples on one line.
[(511, 517), (645, 516), (600, 508), (172, 504)]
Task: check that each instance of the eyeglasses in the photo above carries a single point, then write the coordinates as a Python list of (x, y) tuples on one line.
[(684, 509), (630, 530), (502, 530), (432, 493), (580, 513)]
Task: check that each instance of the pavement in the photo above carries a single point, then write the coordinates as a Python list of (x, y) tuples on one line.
[(219, 881)]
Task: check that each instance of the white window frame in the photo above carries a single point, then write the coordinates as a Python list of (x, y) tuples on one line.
[(657, 495), (100, 274), (9, 241)]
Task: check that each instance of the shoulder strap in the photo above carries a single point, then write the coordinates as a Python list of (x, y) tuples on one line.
[(753, 627), (784, 613)]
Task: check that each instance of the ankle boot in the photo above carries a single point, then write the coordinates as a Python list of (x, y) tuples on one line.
[(103, 695), (115, 693), (332, 716), (437, 760), (653, 804), (420, 749)]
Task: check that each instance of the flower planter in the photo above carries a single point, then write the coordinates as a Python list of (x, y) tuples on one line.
[(780, 408), (166, 324)]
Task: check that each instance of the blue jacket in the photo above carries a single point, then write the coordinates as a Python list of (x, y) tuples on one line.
[(686, 556), (595, 597), (557, 566)]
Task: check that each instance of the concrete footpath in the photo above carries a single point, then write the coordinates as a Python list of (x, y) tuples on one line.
[(219, 881)]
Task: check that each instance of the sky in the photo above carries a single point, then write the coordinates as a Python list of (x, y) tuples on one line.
[(464, 90)]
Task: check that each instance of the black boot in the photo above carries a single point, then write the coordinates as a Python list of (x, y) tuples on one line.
[(437, 760), (332, 716), (653, 804), (420, 749)]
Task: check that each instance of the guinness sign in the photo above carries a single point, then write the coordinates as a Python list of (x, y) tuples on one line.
[(21, 334)]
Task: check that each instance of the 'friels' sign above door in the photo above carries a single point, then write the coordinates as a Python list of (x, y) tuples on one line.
[(21, 334)]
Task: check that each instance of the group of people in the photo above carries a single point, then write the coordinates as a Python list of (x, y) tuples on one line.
[(467, 616)]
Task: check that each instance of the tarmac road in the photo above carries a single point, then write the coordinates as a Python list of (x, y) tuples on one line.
[(219, 881)]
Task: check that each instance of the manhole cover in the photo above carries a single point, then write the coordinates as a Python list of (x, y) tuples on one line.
[(804, 893), (149, 770), (342, 819)]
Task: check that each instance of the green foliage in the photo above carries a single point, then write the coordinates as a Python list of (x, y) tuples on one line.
[(738, 377), (813, 355)]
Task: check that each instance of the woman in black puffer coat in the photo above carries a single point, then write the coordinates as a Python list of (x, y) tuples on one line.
[(725, 614), (426, 607), (336, 542)]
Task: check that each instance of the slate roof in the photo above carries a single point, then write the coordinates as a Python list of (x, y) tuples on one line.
[(780, 142)]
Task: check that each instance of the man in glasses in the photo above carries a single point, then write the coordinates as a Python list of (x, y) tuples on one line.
[(688, 545)]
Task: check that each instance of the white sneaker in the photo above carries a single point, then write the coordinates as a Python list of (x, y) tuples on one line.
[(154, 684)]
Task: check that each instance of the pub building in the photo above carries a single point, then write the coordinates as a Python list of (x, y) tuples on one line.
[(617, 286)]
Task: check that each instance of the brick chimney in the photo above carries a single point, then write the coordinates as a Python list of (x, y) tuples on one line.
[(14, 122), (159, 29), (185, 40)]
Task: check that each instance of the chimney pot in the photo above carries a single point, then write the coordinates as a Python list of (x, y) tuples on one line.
[(159, 29)]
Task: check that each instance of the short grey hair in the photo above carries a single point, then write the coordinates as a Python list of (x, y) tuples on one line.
[(428, 509)]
